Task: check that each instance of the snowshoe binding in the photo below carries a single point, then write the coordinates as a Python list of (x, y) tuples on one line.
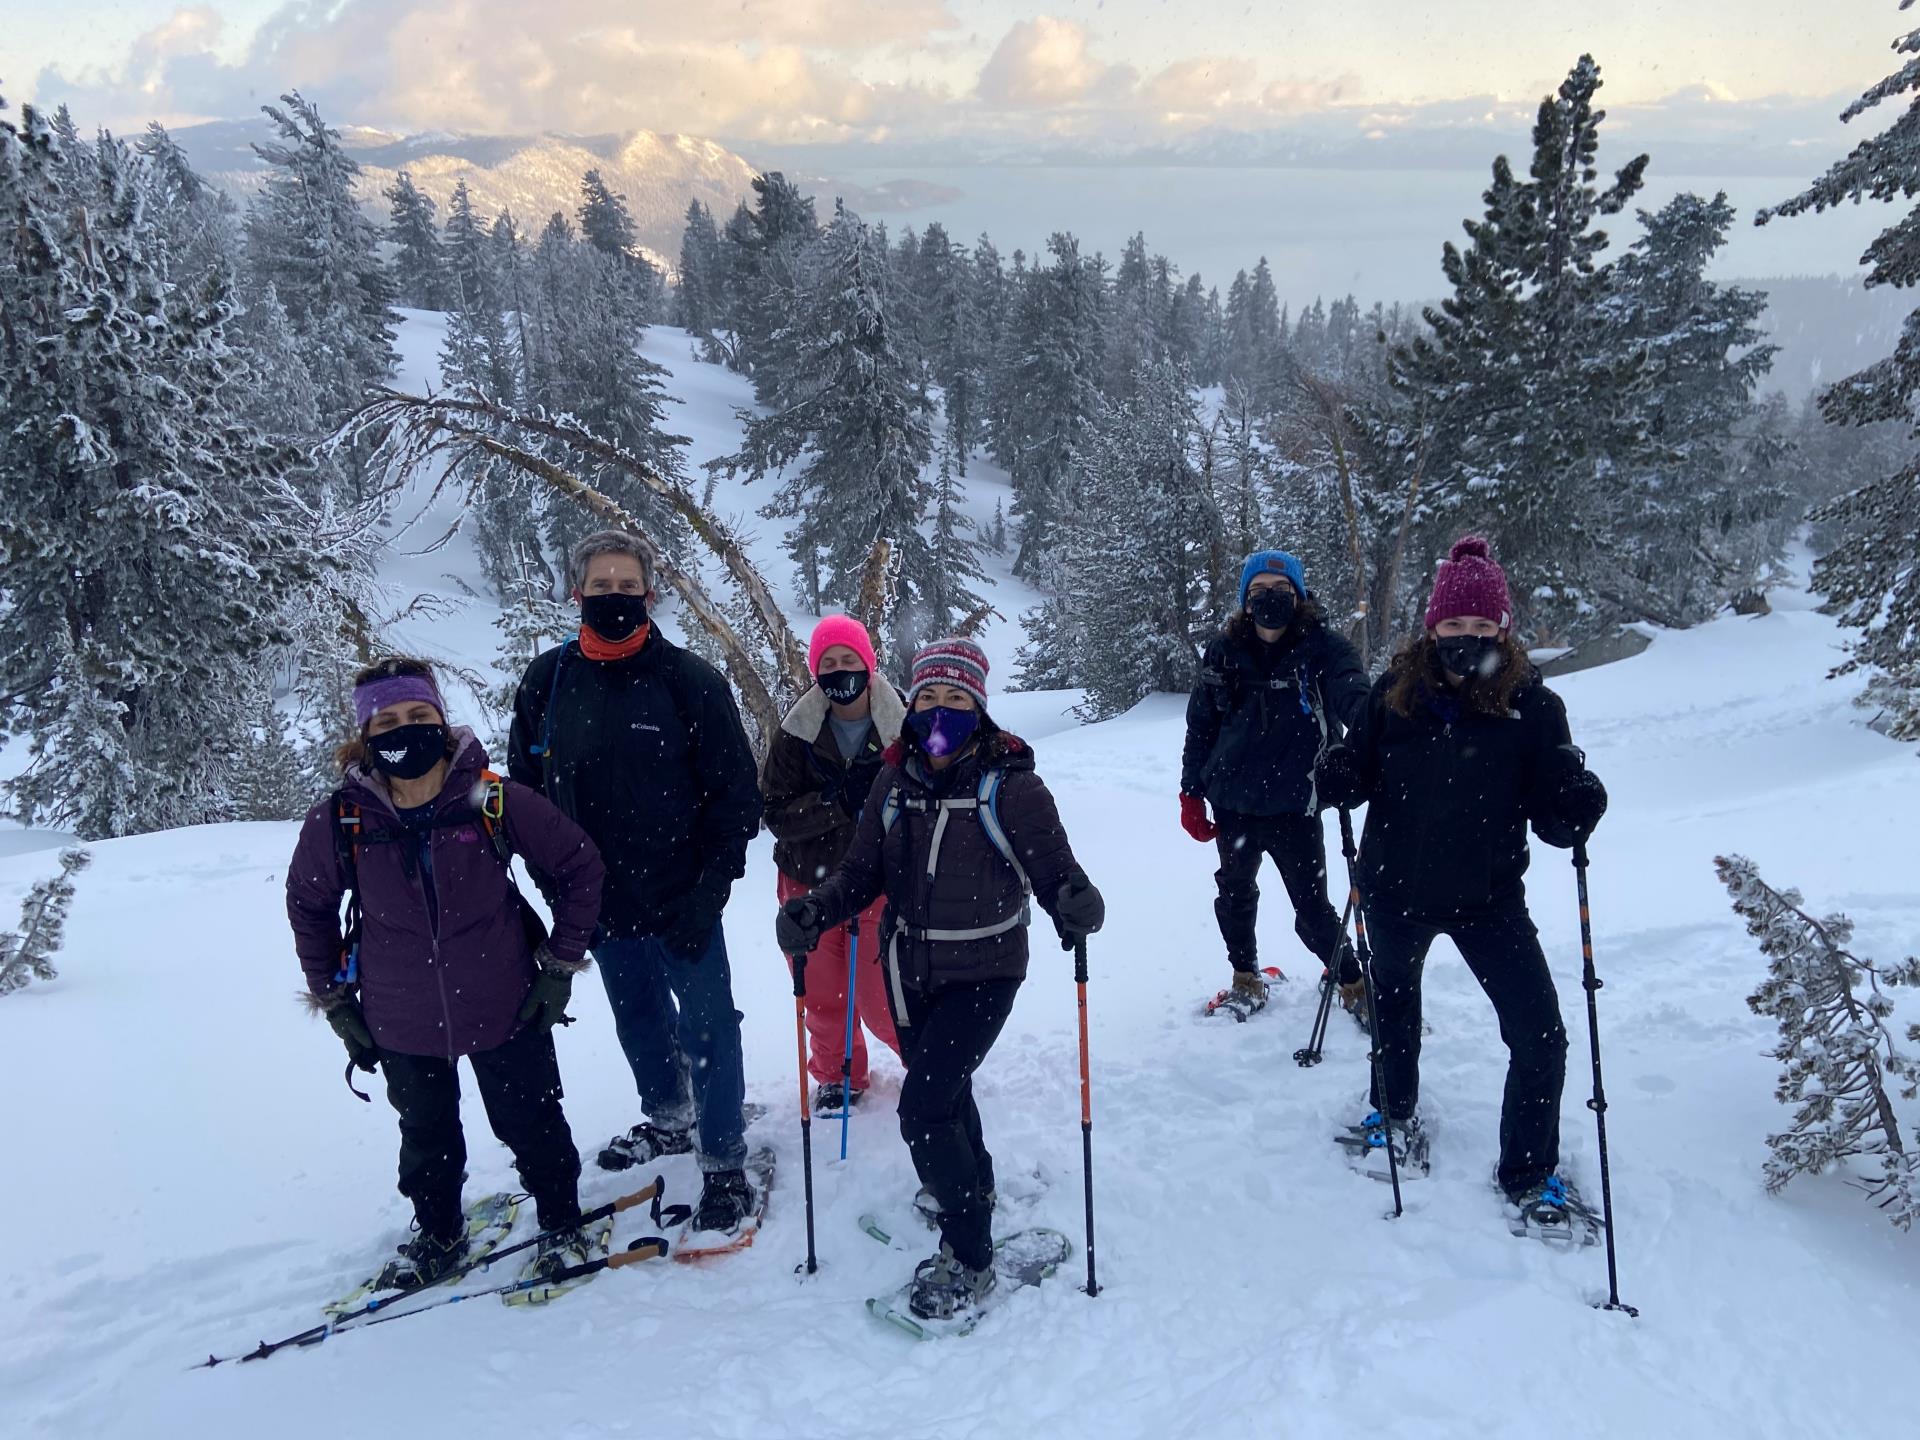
[(643, 1144), (1366, 1147), (946, 1299), (732, 1205), (1554, 1213), (831, 1096), (1247, 996), (424, 1260), (545, 1275), (487, 1223), (943, 1288)]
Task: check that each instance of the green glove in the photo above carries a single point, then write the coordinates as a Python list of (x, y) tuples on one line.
[(342, 1009), (546, 1003)]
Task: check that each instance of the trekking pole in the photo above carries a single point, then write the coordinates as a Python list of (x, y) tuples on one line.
[(806, 1110), (650, 1247), (1373, 1007), (1310, 1053), (1590, 982), (853, 1010), (1086, 1104)]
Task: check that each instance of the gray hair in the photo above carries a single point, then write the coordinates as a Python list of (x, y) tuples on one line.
[(609, 542)]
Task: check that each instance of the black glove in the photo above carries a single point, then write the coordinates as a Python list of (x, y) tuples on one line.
[(799, 926), (1336, 779), (1580, 803), (1078, 911), (349, 1022), (546, 1002)]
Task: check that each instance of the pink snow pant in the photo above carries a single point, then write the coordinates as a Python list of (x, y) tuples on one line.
[(827, 995)]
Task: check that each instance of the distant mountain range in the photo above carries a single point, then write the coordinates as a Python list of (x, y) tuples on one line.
[(535, 175)]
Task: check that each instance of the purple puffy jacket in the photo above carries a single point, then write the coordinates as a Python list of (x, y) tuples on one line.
[(453, 987)]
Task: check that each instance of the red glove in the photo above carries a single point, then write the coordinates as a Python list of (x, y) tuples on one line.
[(1193, 818)]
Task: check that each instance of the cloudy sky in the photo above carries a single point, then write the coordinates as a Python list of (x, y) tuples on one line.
[(1763, 75)]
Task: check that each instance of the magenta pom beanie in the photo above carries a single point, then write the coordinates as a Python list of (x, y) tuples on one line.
[(1470, 583)]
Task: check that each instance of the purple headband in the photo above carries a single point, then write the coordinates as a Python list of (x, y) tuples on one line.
[(374, 696)]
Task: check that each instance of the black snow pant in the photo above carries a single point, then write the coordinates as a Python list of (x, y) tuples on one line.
[(520, 1087), (1503, 952), (943, 1038), (1299, 850)]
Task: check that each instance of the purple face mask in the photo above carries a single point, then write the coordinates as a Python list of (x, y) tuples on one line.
[(941, 731)]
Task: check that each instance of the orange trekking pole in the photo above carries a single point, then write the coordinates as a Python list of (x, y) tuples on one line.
[(1086, 1103), (806, 1110)]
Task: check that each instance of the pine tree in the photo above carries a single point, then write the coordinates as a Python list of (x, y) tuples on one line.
[(857, 436), (308, 238), (1869, 576), (954, 339), (1837, 1054), (605, 222), (1529, 411), (419, 268), (955, 566), (768, 250), (150, 533), (478, 354), (27, 954), (700, 297)]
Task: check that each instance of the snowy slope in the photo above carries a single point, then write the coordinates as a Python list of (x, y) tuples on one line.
[(187, 1175)]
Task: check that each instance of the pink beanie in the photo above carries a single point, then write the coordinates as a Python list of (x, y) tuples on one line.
[(1470, 583), (840, 630)]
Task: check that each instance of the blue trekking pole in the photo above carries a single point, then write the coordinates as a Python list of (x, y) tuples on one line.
[(853, 1006)]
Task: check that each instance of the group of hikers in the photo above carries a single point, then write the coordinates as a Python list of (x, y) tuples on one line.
[(913, 833)]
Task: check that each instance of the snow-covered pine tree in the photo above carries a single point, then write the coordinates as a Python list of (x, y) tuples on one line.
[(478, 353), (767, 249), (150, 536), (27, 954), (1145, 516), (700, 302), (605, 222), (308, 238), (1137, 318), (1530, 411), (1052, 349), (1837, 1055), (419, 268), (955, 339), (1187, 330), (955, 570), (1870, 576), (856, 436), (1694, 525)]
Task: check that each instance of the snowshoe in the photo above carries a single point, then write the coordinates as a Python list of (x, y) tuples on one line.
[(545, 1275), (643, 1144), (1247, 996), (732, 1205), (1024, 1258), (488, 1222), (424, 1260), (1554, 1213), (829, 1097), (1366, 1147)]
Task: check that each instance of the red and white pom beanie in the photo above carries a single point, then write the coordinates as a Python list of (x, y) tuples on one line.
[(1470, 582), (953, 661)]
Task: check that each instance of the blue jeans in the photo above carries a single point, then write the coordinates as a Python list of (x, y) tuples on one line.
[(681, 1034)]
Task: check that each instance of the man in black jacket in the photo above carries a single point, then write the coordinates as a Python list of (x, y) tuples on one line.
[(1276, 687), (639, 742)]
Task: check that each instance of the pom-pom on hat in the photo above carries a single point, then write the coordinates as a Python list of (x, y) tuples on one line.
[(1470, 582), (953, 661), (1262, 561), (840, 630)]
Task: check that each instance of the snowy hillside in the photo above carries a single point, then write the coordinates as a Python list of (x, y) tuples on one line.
[(187, 1174)]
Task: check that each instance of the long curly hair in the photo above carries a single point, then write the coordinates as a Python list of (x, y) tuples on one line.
[(1416, 670)]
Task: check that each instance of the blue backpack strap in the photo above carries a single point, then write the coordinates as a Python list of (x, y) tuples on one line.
[(544, 748), (890, 810), (988, 808)]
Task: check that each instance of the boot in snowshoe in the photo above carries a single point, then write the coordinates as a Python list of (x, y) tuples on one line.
[(1366, 1146), (643, 1144), (1554, 1213), (943, 1287), (726, 1199), (1247, 996), (545, 1277), (829, 1096), (424, 1260)]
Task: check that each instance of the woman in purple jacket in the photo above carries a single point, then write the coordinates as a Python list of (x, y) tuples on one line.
[(440, 956)]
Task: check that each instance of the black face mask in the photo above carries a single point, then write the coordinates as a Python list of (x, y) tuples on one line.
[(1471, 657), (1272, 609), (613, 616), (843, 687), (407, 752)]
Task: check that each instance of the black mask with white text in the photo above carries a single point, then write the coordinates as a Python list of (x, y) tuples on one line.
[(843, 687), (407, 752)]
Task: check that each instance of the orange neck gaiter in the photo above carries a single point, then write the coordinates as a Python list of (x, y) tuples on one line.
[(594, 648)]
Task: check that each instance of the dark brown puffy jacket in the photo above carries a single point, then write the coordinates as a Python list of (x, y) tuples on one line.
[(972, 887), (813, 793)]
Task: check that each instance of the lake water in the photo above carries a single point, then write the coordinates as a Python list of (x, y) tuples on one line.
[(1376, 233)]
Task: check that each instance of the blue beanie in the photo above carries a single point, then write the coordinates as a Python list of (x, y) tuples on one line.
[(1262, 561)]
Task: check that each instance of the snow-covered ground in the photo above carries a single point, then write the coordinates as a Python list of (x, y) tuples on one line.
[(186, 1174)]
